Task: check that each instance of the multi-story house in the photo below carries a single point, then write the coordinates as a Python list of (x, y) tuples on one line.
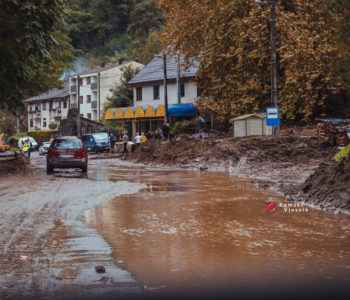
[(149, 109), (48, 108), (90, 89), (91, 93)]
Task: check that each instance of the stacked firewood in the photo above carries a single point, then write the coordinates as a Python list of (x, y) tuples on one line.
[(334, 131)]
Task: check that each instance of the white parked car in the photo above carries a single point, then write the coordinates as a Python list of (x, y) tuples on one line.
[(44, 148), (34, 144)]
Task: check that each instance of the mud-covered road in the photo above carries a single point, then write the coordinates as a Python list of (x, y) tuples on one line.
[(157, 230), (45, 249)]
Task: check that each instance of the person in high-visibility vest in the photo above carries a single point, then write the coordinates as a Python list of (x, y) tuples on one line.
[(26, 147)]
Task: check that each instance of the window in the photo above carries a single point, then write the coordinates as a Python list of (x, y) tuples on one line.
[(156, 92), (82, 115), (81, 99), (65, 104), (44, 122), (89, 116), (182, 89), (139, 94), (88, 99), (81, 81), (31, 123), (50, 106), (44, 105), (88, 80)]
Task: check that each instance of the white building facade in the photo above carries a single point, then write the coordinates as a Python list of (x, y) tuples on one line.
[(48, 108), (90, 90), (89, 96)]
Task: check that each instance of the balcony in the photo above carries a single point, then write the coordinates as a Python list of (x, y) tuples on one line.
[(94, 104), (94, 86), (73, 105), (73, 89)]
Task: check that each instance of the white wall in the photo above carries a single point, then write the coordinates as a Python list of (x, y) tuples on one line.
[(147, 94), (108, 79), (52, 116)]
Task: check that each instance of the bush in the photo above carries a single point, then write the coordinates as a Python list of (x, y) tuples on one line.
[(53, 126), (185, 126)]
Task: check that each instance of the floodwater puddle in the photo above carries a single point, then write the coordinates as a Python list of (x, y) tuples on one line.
[(192, 229)]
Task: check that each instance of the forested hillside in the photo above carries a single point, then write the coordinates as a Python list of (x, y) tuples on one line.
[(111, 29)]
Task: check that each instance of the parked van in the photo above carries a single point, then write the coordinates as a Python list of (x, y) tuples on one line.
[(97, 142)]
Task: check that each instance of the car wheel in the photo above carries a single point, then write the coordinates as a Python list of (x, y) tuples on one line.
[(84, 169), (49, 169)]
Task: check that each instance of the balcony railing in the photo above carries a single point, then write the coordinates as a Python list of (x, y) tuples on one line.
[(94, 86), (94, 104), (73, 105), (73, 89)]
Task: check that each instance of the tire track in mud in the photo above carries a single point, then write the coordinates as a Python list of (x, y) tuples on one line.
[(44, 247)]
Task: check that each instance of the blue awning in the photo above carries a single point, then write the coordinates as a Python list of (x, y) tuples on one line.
[(185, 109)]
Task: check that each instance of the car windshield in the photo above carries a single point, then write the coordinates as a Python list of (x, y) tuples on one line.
[(100, 136), (67, 144), (46, 144)]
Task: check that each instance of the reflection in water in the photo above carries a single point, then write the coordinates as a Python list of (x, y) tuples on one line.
[(189, 229)]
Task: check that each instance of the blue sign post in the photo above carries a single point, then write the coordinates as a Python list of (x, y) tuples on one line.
[(273, 118)]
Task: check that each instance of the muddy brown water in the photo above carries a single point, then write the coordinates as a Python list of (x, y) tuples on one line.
[(197, 229)]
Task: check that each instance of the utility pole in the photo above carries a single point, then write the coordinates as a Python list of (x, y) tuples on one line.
[(165, 88), (178, 79), (273, 53), (78, 100)]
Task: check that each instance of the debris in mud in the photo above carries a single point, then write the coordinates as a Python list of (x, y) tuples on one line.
[(185, 150), (100, 269), (23, 257), (328, 186), (153, 289)]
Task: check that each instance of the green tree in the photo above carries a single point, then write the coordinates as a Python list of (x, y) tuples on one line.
[(34, 51), (122, 94)]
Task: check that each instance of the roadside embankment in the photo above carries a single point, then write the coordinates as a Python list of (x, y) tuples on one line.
[(297, 166), (12, 162)]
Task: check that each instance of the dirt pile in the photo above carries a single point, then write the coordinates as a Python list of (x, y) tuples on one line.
[(13, 166), (188, 150), (329, 186)]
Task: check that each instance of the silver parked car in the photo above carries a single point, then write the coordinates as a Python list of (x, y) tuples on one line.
[(44, 148)]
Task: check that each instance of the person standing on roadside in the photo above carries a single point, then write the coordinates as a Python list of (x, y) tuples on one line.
[(137, 140), (25, 148), (166, 130), (143, 138), (125, 142), (30, 148), (112, 142)]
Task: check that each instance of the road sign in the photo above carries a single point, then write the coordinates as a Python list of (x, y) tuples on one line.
[(272, 116)]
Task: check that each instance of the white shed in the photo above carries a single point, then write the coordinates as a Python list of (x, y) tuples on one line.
[(251, 124)]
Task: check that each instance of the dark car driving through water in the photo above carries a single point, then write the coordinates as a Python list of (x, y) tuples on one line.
[(67, 152), (96, 142)]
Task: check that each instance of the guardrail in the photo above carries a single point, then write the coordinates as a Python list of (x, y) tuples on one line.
[(10, 155)]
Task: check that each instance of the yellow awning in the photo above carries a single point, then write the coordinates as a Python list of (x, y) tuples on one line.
[(160, 111), (137, 112)]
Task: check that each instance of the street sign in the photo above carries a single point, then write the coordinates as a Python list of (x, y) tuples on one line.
[(272, 116)]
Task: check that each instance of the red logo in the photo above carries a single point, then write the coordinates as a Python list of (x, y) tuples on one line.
[(270, 207)]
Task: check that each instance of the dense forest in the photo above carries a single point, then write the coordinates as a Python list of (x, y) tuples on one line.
[(42, 39)]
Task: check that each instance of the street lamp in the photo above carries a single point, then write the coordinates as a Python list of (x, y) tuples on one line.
[(165, 81)]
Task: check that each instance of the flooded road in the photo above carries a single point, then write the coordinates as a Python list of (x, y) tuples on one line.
[(191, 230), (155, 230)]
